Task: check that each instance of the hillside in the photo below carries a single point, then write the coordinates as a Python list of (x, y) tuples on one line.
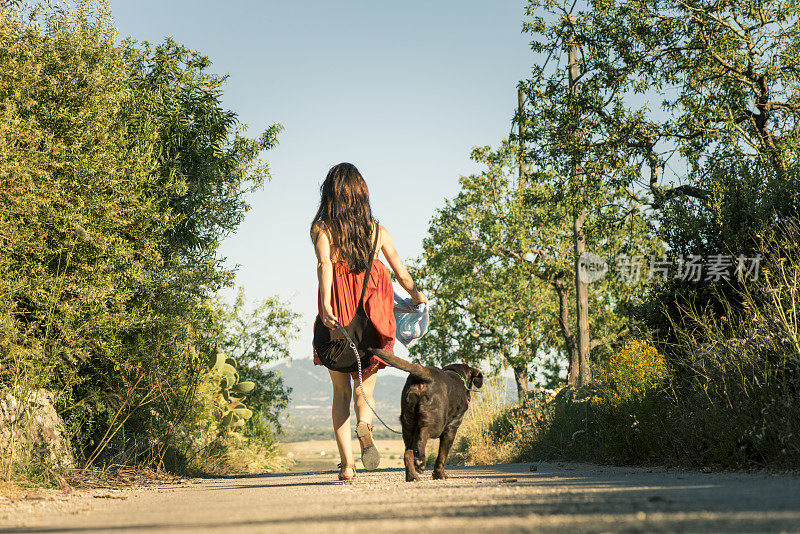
[(309, 414)]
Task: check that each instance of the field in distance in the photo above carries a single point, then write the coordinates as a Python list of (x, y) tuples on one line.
[(322, 455)]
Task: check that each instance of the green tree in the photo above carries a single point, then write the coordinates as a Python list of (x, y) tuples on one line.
[(725, 75), (255, 337), (698, 102), (119, 174), (586, 163), (77, 215), (203, 158), (487, 307), (498, 262)]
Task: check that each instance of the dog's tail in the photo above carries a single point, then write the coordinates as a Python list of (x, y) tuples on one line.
[(423, 373)]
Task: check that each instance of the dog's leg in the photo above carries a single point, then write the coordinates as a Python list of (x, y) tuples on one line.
[(408, 438), (411, 472), (419, 449), (408, 456), (419, 459), (445, 442)]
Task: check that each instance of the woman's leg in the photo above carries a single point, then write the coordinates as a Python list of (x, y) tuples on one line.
[(370, 456), (340, 413), (363, 412)]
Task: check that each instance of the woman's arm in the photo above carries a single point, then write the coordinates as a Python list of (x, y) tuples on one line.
[(400, 271), (322, 245)]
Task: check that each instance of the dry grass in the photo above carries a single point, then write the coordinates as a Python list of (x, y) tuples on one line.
[(9, 489), (75, 481), (236, 455), (485, 436), (323, 455)]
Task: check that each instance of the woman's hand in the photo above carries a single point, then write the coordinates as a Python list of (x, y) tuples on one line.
[(322, 246), (406, 282), (328, 318)]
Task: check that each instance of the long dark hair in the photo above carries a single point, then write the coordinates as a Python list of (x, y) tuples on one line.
[(344, 211)]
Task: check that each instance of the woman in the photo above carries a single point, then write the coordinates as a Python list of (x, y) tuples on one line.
[(343, 232)]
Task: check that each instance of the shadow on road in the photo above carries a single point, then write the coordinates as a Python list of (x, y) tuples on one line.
[(554, 498)]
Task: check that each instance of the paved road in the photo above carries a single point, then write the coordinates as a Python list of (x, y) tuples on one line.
[(572, 498)]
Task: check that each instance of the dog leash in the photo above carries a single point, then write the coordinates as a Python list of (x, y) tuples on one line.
[(360, 380), (463, 379)]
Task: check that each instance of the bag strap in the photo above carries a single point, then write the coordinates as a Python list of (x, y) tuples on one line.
[(369, 266)]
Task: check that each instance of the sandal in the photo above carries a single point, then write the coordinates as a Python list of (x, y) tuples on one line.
[(343, 472), (370, 456)]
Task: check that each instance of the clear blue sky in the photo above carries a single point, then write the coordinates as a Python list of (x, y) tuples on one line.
[(403, 90)]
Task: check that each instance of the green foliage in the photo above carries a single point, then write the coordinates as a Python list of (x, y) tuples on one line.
[(120, 172), (232, 412), (499, 261), (487, 306), (202, 156), (695, 109), (685, 116), (255, 337), (674, 81), (222, 433), (634, 371), (214, 439), (732, 401)]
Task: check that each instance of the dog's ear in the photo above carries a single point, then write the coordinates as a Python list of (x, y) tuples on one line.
[(477, 378)]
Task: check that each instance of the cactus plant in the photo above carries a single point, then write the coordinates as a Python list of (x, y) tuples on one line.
[(219, 361), (243, 387), (232, 412)]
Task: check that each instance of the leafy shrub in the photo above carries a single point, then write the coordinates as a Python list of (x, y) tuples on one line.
[(120, 173), (732, 401), (633, 371), (213, 439), (493, 430)]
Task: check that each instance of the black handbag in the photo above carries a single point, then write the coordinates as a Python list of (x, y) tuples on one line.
[(333, 346)]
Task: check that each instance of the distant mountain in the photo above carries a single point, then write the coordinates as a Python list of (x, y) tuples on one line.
[(309, 414)]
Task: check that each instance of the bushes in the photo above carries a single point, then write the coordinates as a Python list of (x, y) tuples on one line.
[(633, 372), (120, 172), (741, 387), (209, 442), (477, 440), (734, 402), (619, 419), (494, 431)]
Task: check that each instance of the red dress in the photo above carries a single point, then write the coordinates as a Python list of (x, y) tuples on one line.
[(378, 303)]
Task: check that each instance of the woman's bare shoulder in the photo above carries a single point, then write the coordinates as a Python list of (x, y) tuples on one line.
[(317, 228), (385, 236)]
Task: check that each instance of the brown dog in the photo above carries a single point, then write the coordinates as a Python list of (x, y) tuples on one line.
[(433, 404)]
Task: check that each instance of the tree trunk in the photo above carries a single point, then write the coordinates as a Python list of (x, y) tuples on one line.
[(521, 370), (566, 332), (521, 378), (583, 372), (521, 136), (581, 304)]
